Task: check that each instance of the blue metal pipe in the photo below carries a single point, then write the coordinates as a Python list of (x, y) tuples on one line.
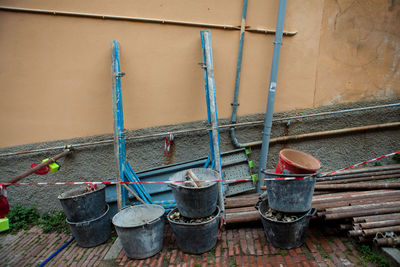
[(272, 89), (235, 103), (57, 251)]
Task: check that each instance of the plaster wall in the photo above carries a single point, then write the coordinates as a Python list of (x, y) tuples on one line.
[(55, 73)]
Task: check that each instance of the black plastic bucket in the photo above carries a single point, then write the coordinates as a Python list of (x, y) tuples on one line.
[(92, 232), (79, 205), (285, 235), (196, 238), (291, 195), (196, 202), (140, 229)]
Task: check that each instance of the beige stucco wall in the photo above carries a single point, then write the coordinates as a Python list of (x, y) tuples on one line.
[(359, 55), (55, 78)]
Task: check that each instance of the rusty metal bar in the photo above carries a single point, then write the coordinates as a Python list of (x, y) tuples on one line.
[(351, 186), (363, 179), (38, 167), (345, 226), (369, 225), (362, 207), (375, 218), (336, 197), (236, 202), (373, 231), (355, 233), (343, 215), (360, 177), (241, 217), (388, 241), (328, 205)]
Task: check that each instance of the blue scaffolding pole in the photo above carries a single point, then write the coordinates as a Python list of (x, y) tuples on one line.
[(125, 171)]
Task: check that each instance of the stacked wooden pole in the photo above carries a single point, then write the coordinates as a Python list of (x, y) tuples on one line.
[(367, 199)]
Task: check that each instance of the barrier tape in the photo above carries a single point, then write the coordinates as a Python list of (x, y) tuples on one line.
[(362, 163), (204, 181)]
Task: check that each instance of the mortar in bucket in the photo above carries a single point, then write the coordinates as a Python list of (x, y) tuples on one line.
[(196, 202), (140, 229), (196, 237), (293, 195), (285, 234)]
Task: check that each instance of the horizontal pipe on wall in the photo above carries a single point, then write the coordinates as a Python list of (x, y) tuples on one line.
[(257, 143), (237, 144), (139, 19)]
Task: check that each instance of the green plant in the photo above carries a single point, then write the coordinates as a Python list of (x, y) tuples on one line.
[(281, 252), (54, 222), (22, 218), (233, 264), (378, 164), (368, 255)]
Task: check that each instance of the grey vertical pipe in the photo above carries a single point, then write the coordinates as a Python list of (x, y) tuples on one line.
[(214, 116), (235, 103), (272, 90)]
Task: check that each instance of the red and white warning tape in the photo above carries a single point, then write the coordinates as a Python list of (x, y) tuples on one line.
[(362, 163), (204, 181)]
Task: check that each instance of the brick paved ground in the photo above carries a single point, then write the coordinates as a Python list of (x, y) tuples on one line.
[(236, 247)]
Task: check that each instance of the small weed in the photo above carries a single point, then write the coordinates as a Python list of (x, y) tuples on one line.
[(113, 238), (197, 265), (54, 222), (233, 264), (166, 259), (344, 182), (378, 163), (22, 218), (368, 255), (212, 252), (281, 252)]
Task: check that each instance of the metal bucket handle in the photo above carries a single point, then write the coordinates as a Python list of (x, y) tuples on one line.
[(154, 221), (312, 212)]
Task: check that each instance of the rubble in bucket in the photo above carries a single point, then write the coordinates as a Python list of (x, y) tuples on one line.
[(177, 217), (275, 215), (195, 221), (286, 213)]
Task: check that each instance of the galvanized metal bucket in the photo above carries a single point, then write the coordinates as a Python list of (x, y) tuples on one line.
[(140, 229), (90, 233), (196, 202), (80, 205), (285, 235), (195, 238)]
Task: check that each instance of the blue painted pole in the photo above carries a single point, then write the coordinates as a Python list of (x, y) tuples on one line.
[(212, 107), (119, 141), (272, 89)]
